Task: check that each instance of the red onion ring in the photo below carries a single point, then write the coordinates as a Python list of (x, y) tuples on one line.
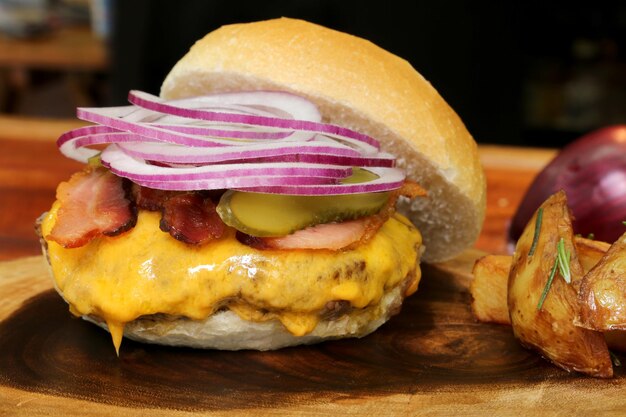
[(381, 160), (258, 141), (260, 103), (75, 147), (74, 144), (116, 118), (229, 132), (241, 183), (388, 179), (148, 101), (185, 155), (126, 166)]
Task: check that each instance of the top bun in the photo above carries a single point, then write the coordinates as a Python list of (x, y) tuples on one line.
[(361, 86)]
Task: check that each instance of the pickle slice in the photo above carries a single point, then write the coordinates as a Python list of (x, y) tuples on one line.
[(266, 215)]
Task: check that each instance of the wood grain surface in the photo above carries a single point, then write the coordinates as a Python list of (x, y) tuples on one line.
[(31, 167), (431, 359), (70, 48)]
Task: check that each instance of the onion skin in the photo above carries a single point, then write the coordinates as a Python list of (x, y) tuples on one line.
[(592, 172)]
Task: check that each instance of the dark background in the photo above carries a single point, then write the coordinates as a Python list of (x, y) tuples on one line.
[(531, 73), (536, 73)]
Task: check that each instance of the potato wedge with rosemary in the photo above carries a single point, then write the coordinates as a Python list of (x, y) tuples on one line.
[(543, 294), (603, 291), (488, 287)]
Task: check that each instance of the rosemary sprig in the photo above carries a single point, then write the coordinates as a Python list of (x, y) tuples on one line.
[(561, 261), (548, 285), (563, 256), (537, 231)]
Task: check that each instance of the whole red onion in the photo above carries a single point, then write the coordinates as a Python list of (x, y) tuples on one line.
[(592, 171)]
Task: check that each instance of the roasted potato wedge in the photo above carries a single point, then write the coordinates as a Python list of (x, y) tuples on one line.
[(488, 287), (603, 291), (590, 252), (550, 330)]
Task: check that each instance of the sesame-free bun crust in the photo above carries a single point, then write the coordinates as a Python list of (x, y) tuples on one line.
[(358, 85)]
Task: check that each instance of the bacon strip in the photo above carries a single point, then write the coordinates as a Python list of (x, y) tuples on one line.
[(191, 218), (335, 236), (93, 203), (409, 189), (149, 198)]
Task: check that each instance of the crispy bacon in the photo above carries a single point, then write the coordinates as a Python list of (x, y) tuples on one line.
[(335, 236), (409, 189), (149, 198), (191, 218), (93, 203)]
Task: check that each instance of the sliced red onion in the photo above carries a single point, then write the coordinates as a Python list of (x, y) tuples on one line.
[(68, 142), (77, 147), (197, 132), (74, 145), (388, 179), (258, 141), (116, 118), (380, 160), (164, 152), (134, 169), (235, 183), (123, 118), (260, 103), (178, 108), (237, 132)]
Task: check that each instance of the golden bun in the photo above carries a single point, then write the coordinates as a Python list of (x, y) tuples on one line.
[(358, 85)]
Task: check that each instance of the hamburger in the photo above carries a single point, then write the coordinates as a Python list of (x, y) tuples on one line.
[(164, 239)]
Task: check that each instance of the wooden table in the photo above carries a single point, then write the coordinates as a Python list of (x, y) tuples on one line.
[(31, 168), (68, 48), (74, 51), (431, 359)]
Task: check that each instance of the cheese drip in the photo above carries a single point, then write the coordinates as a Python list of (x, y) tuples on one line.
[(145, 271)]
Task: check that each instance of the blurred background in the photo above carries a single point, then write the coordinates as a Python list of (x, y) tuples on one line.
[(524, 73)]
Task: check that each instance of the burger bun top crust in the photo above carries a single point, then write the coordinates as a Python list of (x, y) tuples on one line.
[(361, 86)]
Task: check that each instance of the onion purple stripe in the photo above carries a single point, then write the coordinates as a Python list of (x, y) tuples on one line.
[(174, 145), (154, 103)]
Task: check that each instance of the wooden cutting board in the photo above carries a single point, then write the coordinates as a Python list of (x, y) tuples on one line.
[(431, 359)]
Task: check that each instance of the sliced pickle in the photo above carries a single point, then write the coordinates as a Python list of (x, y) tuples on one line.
[(359, 175), (95, 161), (266, 215)]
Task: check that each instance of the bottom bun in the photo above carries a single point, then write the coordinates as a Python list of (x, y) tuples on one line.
[(225, 330)]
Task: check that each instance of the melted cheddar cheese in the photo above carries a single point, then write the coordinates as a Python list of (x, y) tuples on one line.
[(145, 271)]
